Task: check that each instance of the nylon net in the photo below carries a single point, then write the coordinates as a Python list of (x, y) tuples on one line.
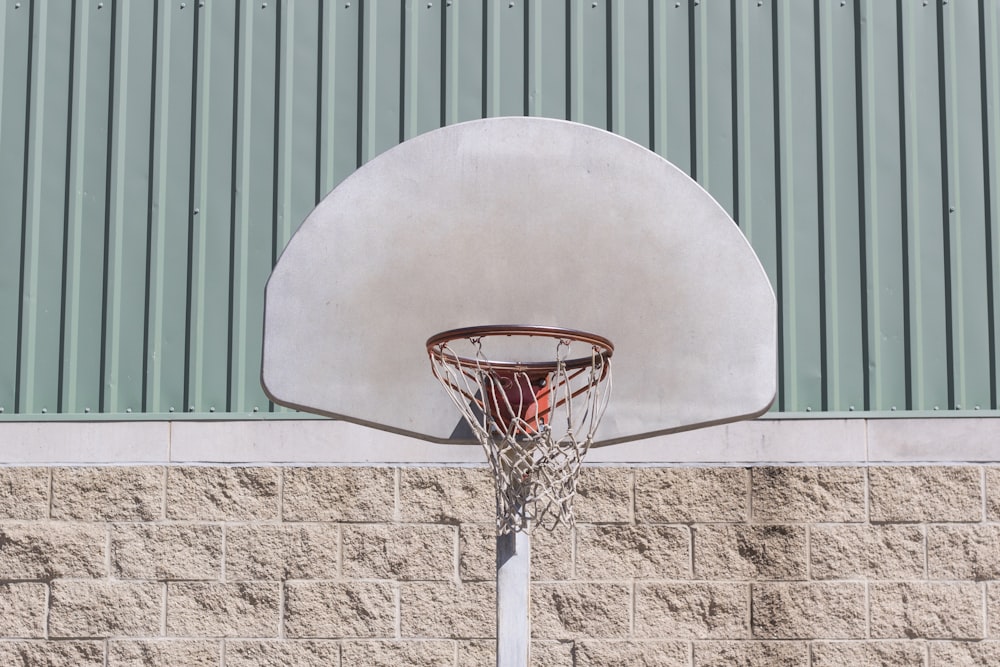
[(536, 420)]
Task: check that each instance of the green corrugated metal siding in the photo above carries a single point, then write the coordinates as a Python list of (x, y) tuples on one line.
[(156, 156)]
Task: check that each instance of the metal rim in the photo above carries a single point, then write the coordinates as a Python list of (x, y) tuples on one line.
[(436, 344)]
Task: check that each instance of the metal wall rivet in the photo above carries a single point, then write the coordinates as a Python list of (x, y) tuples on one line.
[(347, 5), (256, 409), (44, 410), (851, 408), (100, 5), (429, 5), (171, 409), (128, 410), (809, 409), (212, 409), (263, 5), (976, 408), (86, 409), (17, 5), (190, 408), (197, 211), (1, 409), (936, 407), (183, 5), (893, 408)]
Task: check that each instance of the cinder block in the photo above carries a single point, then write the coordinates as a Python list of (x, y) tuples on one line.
[(480, 652), (809, 611), (864, 551), (196, 493), (276, 552), (339, 494), (993, 494), (330, 609), (123, 493), (993, 609), (626, 552), (795, 494), (697, 610), (551, 553), (23, 610), (926, 610), (49, 550), (24, 493), (52, 653), (401, 552), (164, 653), (744, 552), (687, 495), (203, 609), (965, 654), (604, 495), (94, 609), (447, 610), (447, 495), (632, 654), (910, 653), (970, 552), (578, 610), (413, 653), (925, 493), (751, 654), (166, 551), (284, 653)]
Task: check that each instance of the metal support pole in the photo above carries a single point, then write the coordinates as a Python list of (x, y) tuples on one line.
[(513, 599)]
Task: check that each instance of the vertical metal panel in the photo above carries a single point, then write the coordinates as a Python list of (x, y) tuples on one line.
[(15, 111), (155, 157)]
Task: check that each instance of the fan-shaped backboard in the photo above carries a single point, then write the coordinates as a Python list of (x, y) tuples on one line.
[(520, 221)]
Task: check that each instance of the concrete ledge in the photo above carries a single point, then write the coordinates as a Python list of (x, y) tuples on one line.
[(326, 442)]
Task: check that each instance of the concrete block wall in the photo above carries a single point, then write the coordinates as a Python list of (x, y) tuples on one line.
[(688, 566)]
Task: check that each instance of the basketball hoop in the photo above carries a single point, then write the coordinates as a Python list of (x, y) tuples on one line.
[(535, 414)]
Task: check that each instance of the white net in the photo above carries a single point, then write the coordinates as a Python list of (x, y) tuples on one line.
[(536, 420)]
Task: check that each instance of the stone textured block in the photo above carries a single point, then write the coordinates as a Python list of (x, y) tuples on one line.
[(993, 609), (283, 653), (625, 552), (339, 494), (963, 552), (749, 552), (122, 493), (50, 550), (925, 493), (328, 609), (577, 610), (794, 494), (202, 609), (993, 494), (22, 610), (808, 611), (604, 495), (702, 610), (164, 653), (687, 495), (52, 653), (551, 553), (407, 553), (447, 495), (196, 493), (447, 610), (965, 654), (413, 653), (480, 652), (165, 551), (751, 654), (93, 609), (24, 493), (631, 654), (926, 610), (870, 654), (864, 551), (277, 552)]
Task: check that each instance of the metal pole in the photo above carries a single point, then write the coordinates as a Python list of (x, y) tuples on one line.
[(513, 599)]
